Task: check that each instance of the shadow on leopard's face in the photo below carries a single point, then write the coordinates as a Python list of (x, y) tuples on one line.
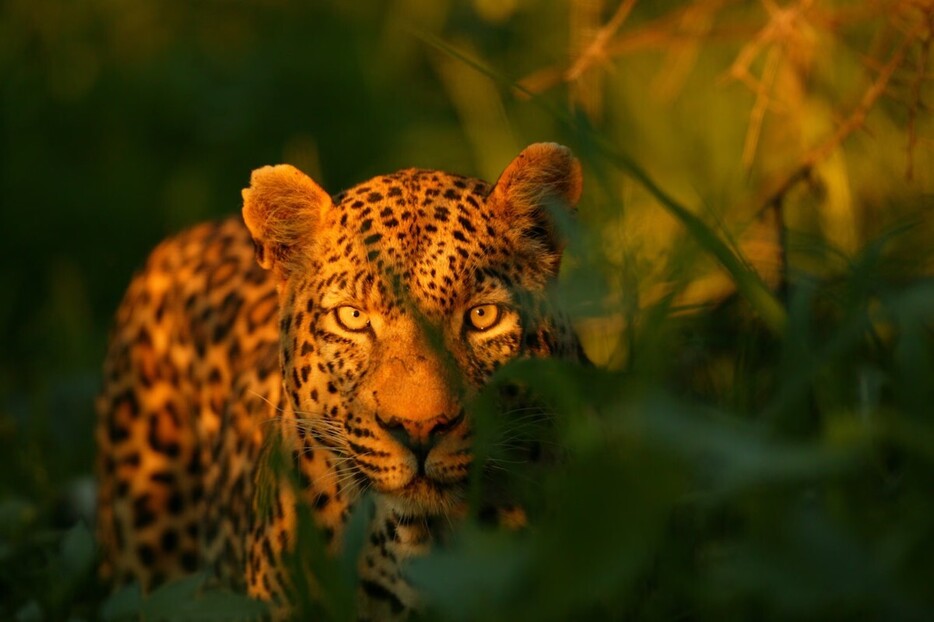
[(399, 298)]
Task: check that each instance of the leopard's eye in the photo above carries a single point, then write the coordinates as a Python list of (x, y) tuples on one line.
[(351, 318), (483, 317)]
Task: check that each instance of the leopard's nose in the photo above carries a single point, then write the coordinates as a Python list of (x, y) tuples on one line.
[(419, 436)]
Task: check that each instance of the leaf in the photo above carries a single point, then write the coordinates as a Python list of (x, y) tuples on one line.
[(185, 599), (123, 604), (77, 552), (468, 581)]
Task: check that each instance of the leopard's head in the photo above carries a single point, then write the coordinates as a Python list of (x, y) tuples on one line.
[(400, 297)]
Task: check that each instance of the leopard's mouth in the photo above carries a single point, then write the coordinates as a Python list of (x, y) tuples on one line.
[(424, 483), (424, 495)]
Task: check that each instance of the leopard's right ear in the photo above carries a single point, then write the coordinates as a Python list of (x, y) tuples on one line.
[(282, 209)]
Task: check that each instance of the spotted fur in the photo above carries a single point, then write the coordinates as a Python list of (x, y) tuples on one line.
[(351, 330)]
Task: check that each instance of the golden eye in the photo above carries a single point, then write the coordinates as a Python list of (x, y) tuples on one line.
[(351, 318), (483, 317)]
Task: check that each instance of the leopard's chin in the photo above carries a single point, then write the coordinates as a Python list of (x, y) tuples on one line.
[(426, 496)]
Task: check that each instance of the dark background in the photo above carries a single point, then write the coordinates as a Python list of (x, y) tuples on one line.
[(121, 123)]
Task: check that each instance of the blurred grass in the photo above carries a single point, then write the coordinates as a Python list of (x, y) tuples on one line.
[(757, 442)]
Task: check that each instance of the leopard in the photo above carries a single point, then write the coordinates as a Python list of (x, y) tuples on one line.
[(345, 333)]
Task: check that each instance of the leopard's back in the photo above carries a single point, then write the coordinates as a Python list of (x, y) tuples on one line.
[(191, 371)]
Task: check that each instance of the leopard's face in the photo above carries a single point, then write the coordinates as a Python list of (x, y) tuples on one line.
[(411, 292)]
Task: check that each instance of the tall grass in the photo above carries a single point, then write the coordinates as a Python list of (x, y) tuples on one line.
[(750, 271)]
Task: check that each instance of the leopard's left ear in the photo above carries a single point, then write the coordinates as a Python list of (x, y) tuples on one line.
[(544, 177), (282, 208)]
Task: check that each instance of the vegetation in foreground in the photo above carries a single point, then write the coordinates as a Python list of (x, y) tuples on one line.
[(751, 273)]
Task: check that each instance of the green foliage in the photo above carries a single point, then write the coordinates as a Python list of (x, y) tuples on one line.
[(789, 503), (47, 575), (182, 599), (755, 439)]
